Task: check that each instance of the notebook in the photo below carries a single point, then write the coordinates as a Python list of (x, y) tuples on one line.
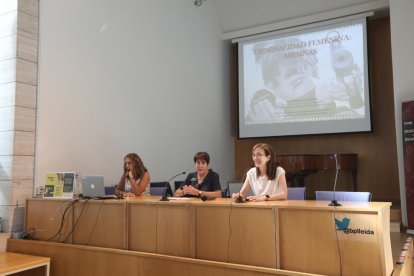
[(93, 187)]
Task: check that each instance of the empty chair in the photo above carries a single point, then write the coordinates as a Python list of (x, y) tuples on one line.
[(157, 191), (343, 196), (109, 190), (296, 193), (235, 187), (160, 188)]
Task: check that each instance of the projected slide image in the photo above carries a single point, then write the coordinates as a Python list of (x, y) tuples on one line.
[(314, 76)]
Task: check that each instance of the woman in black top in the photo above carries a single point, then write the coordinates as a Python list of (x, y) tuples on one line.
[(203, 182)]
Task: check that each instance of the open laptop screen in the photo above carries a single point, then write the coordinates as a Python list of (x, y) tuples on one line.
[(93, 186)]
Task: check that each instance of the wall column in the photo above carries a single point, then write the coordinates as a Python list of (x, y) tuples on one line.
[(19, 24)]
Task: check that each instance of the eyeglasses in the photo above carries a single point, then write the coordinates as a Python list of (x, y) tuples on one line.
[(258, 155)]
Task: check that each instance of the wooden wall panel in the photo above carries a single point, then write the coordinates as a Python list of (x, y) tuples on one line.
[(78, 260), (100, 223), (273, 234), (175, 231), (377, 160), (212, 219), (46, 217), (296, 256), (254, 244), (142, 220)]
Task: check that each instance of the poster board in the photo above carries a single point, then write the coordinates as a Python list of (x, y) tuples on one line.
[(408, 150), (59, 185)]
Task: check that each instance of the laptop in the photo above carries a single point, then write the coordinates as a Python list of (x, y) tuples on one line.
[(93, 187)]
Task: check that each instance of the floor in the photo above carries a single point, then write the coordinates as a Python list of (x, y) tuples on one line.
[(397, 242)]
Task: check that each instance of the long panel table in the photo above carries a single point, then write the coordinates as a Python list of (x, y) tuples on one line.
[(303, 236)]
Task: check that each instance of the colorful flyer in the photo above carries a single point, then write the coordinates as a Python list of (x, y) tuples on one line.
[(59, 185)]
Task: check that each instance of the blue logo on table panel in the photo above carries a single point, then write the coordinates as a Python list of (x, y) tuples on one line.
[(343, 225)]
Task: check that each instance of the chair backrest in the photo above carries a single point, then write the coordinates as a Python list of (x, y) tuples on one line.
[(177, 184), (157, 191), (343, 196), (109, 190), (160, 188), (296, 193), (234, 188)]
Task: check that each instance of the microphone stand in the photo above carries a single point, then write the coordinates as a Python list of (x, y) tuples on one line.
[(334, 202), (164, 196)]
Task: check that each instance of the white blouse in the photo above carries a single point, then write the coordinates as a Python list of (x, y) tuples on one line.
[(128, 187), (262, 185)]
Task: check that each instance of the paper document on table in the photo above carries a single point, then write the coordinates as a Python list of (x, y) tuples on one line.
[(179, 198)]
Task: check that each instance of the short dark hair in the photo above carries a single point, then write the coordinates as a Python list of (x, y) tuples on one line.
[(203, 156)]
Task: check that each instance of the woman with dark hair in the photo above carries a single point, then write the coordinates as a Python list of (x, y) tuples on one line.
[(135, 179), (266, 179), (203, 182)]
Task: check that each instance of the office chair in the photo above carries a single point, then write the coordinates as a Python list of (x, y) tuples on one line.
[(296, 193), (160, 188), (109, 190), (177, 184), (343, 196), (235, 187)]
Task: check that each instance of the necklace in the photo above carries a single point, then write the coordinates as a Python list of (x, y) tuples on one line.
[(200, 178)]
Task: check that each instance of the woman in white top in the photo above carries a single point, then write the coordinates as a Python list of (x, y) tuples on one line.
[(135, 179), (267, 179)]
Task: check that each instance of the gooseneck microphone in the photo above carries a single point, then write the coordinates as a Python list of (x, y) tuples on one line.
[(164, 196), (334, 202)]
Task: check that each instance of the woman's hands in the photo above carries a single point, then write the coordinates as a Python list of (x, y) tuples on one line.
[(235, 195), (130, 174), (188, 189), (256, 198), (249, 198)]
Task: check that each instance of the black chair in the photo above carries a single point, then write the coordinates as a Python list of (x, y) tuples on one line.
[(177, 184), (109, 190), (160, 188)]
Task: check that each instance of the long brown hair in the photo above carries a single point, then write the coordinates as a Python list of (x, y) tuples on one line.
[(139, 167), (272, 164)]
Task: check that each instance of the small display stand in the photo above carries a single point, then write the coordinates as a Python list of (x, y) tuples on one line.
[(60, 185)]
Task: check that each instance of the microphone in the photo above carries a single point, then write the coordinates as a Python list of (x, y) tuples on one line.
[(334, 202), (241, 199), (194, 182), (164, 196), (204, 198)]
